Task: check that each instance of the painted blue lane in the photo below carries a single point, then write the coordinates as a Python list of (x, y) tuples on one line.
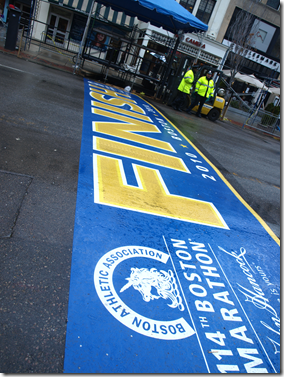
[(171, 271)]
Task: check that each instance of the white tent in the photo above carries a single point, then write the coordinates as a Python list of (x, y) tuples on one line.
[(275, 91), (249, 79)]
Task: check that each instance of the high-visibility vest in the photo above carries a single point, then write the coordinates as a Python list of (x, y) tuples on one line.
[(203, 85), (186, 82)]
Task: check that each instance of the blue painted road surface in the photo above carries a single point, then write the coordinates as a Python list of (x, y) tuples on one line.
[(171, 271)]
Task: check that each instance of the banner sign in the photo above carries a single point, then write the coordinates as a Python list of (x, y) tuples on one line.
[(172, 272)]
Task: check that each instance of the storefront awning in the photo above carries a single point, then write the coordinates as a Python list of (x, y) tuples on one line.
[(166, 13)]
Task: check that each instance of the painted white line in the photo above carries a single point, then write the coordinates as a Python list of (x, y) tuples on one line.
[(15, 69)]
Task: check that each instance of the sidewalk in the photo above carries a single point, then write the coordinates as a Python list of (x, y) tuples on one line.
[(42, 54)]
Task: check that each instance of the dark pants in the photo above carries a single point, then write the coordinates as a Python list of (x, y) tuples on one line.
[(180, 100), (198, 100)]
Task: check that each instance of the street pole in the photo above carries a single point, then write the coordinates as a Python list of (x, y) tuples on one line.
[(221, 65), (200, 36), (79, 56)]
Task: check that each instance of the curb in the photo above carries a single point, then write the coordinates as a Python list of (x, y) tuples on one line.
[(35, 59)]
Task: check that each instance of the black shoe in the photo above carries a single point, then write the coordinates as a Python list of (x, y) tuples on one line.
[(198, 115), (174, 107), (179, 109), (189, 112)]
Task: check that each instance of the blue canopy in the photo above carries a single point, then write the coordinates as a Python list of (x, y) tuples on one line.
[(161, 13)]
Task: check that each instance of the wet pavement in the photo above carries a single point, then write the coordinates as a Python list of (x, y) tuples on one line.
[(41, 125), (40, 133), (248, 160)]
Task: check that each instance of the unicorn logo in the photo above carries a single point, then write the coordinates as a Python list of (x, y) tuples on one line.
[(143, 280), (152, 285)]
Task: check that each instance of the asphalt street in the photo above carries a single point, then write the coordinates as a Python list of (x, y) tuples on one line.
[(41, 123), (249, 161), (40, 136)]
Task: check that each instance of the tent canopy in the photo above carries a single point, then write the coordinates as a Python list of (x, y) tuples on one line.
[(249, 79), (275, 90), (161, 13)]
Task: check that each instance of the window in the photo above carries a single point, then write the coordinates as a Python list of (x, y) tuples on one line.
[(25, 16), (273, 4), (57, 29), (188, 4), (205, 10), (275, 50)]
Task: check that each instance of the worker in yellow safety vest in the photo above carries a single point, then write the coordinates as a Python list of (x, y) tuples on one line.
[(184, 88), (204, 89)]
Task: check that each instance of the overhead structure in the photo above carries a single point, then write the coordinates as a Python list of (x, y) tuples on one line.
[(167, 14)]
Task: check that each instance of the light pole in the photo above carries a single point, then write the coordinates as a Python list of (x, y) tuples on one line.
[(200, 36), (221, 65)]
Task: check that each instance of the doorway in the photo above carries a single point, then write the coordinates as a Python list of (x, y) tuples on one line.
[(57, 30)]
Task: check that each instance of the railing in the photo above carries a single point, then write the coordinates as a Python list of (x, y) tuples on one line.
[(50, 43), (123, 63), (242, 109), (264, 121), (251, 116)]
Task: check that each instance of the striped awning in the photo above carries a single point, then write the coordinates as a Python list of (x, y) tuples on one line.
[(102, 11)]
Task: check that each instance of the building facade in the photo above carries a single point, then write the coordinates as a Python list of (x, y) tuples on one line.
[(62, 23), (66, 21), (263, 56)]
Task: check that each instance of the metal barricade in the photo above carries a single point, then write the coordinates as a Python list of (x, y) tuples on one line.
[(264, 121)]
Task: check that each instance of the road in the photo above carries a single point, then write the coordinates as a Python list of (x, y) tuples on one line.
[(40, 136), (248, 160), (41, 124)]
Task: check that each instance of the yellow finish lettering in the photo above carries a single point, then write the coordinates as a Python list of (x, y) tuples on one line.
[(111, 93), (151, 196), (142, 154), (126, 130), (119, 102), (106, 106)]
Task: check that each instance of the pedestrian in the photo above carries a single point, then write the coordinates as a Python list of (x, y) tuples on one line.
[(184, 88), (204, 89)]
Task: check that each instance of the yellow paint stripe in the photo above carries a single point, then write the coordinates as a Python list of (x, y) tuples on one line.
[(262, 222)]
